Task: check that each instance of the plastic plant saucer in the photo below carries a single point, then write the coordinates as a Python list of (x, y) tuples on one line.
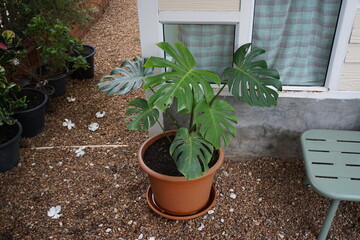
[(151, 202)]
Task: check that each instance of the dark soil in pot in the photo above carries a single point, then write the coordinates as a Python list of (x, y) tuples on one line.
[(157, 157)]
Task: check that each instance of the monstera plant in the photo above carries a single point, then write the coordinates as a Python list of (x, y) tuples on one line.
[(181, 84), (210, 118)]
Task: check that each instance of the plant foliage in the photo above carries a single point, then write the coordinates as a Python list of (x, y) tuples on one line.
[(211, 119), (8, 102)]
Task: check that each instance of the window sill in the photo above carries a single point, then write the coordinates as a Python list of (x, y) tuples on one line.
[(306, 92)]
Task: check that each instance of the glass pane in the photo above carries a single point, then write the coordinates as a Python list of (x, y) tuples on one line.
[(298, 37), (211, 45)]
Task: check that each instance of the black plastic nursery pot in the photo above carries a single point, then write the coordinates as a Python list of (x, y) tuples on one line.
[(33, 118), (9, 151), (88, 53), (58, 82)]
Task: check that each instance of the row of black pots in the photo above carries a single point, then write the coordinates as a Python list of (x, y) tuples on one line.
[(31, 121)]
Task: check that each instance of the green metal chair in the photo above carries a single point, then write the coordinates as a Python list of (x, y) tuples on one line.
[(332, 164)]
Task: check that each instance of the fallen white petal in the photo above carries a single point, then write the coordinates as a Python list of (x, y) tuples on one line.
[(100, 114), (93, 127), (202, 226)]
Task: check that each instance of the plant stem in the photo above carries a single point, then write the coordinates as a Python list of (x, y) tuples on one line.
[(169, 113), (163, 129), (192, 111), (217, 94)]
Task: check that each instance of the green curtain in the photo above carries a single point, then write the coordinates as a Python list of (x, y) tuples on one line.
[(211, 45), (298, 36)]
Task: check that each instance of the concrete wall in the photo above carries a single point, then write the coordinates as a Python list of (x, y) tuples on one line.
[(275, 131)]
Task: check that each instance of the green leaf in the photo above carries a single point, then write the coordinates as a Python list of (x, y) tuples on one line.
[(143, 116), (188, 85), (251, 81), (130, 78), (191, 153), (213, 121)]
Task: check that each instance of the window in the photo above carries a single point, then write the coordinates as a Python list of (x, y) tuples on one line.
[(324, 70), (298, 37), (211, 45)]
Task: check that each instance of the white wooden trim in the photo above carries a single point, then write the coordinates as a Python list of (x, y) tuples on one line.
[(341, 40), (181, 17), (303, 92), (199, 5), (151, 31), (246, 22)]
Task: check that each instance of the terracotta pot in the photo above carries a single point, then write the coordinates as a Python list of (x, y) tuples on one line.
[(177, 196)]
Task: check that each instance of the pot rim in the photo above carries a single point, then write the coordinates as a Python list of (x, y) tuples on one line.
[(38, 106), (17, 136), (89, 46), (151, 172)]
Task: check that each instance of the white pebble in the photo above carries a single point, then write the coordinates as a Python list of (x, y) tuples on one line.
[(130, 222), (233, 195), (141, 236), (222, 220), (202, 226), (231, 210), (101, 225), (231, 190), (108, 230), (226, 173), (152, 238), (211, 212)]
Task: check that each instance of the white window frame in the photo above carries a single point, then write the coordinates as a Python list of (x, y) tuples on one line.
[(151, 22)]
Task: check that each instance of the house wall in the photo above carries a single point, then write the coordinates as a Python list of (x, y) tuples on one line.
[(275, 131), (199, 5), (350, 78)]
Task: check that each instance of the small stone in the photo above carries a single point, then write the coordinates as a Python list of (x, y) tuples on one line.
[(250, 173), (231, 190), (130, 222), (226, 174), (260, 199), (222, 220), (233, 195), (231, 210), (108, 230), (202, 226), (211, 211), (101, 225), (151, 238), (141, 236)]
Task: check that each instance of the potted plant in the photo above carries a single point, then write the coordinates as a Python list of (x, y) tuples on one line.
[(10, 129), (195, 150), (31, 115), (88, 52), (58, 50)]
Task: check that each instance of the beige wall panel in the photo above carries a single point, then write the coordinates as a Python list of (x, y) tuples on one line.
[(353, 53), (199, 5), (350, 79), (355, 35)]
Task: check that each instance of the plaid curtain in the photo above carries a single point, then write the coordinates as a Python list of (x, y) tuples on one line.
[(298, 37), (211, 45)]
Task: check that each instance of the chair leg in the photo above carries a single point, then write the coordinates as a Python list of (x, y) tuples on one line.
[(329, 218)]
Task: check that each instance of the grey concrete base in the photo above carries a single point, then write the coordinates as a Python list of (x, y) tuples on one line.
[(275, 131)]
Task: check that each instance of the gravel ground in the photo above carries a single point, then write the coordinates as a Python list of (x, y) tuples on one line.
[(102, 193)]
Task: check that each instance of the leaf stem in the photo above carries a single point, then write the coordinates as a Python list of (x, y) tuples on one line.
[(218, 93), (163, 129), (169, 113)]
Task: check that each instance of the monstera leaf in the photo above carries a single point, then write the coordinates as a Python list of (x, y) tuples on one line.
[(187, 150), (188, 85), (213, 121), (251, 81), (131, 77), (144, 115)]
